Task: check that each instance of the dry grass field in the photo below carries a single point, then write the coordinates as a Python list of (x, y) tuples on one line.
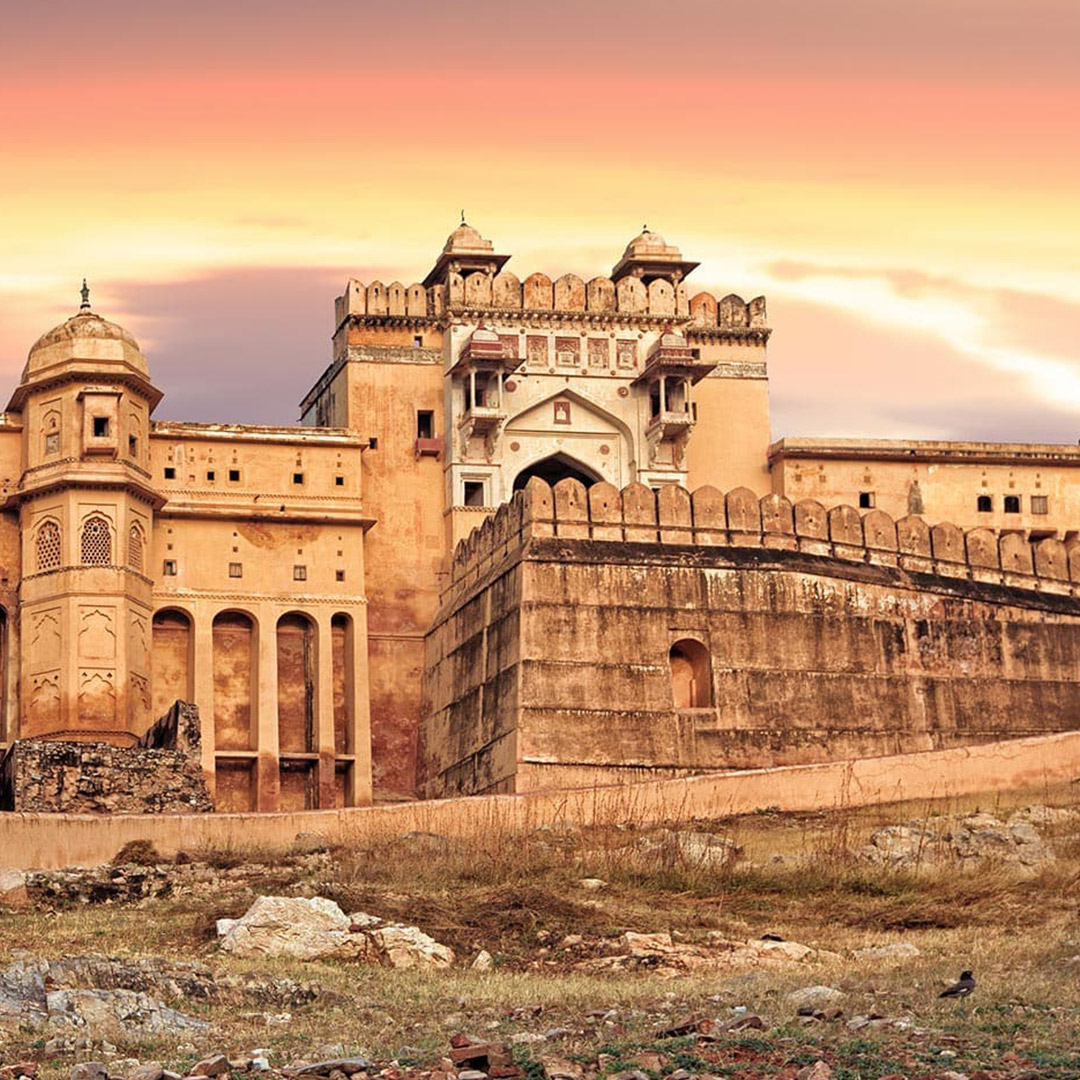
[(521, 898)]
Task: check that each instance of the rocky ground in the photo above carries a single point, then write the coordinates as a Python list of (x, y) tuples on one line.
[(804, 947)]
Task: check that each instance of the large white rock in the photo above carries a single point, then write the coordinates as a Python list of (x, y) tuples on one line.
[(295, 926), (13, 888), (410, 947)]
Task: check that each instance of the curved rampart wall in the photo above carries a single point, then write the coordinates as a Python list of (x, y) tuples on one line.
[(740, 519), (588, 636)]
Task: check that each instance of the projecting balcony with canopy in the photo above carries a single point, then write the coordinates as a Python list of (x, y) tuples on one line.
[(481, 368), (671, 369)]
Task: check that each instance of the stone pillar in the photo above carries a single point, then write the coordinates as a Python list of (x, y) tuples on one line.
[(358, 687), (268, 769), (203, 682), (324, 708)]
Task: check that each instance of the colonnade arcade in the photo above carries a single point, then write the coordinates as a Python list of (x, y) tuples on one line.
[(282, 693)]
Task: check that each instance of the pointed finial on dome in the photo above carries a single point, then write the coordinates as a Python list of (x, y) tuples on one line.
[(462, 217), (85, 293)]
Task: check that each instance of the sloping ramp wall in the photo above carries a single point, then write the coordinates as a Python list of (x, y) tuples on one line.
[(45, 841)]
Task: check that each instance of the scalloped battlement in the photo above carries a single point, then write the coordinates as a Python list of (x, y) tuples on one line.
[(507, 293), (741, 519)]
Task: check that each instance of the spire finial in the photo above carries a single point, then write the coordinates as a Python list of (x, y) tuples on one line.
[(85, 293), (462, 217), (644, 228)]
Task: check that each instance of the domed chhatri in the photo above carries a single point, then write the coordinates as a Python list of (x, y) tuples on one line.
[(86, 337), (465, 252), (649, 256), (466, 238)]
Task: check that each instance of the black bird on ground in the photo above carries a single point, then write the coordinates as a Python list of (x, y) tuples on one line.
[(962, 988)]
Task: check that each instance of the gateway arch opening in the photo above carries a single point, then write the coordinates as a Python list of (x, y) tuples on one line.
[(555, 468)]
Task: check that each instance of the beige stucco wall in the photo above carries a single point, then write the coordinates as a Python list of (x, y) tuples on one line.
[(48, 841), (949, 476)]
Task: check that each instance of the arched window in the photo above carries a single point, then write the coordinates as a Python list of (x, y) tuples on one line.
[(96, 542), (135, 548), (48, 546), (691, 675)]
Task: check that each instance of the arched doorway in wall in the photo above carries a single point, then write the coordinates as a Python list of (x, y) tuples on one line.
[(555, 468), (234, 680), (341, 639), (691, 675), (172, 667)]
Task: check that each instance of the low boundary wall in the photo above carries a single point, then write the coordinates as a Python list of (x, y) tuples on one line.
[(49, 841)]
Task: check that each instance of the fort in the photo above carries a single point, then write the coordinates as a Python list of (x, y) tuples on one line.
[(529, 533)]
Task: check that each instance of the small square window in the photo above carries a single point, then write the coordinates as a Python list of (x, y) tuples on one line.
[(418, 341), (1012, 504), (297, 477), (866, 500), (373, 443), (474, 493), (236, 569), (1040, 504), (210, 474), (339, 575), (299, 573), (339, 481), (170, 473), (425, 424), (101, 427), (984, 504), (169, 568), (234, 476)]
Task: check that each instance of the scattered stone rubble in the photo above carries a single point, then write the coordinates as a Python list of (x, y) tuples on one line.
[(662, 955), (94, 991), (965, 840)]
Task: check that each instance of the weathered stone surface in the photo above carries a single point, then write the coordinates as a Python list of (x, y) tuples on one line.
[(162, 774), (408, 947), (310, 929), (805, 658), (13, 889), (302, 928), (814, 997), (965, 840)]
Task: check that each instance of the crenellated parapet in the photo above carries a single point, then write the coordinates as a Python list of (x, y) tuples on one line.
[(740, 519), (505, 295)]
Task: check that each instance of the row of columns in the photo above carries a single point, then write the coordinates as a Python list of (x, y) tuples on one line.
[(264, 699)]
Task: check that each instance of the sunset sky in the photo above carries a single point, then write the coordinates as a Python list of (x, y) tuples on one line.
[(901, 179)]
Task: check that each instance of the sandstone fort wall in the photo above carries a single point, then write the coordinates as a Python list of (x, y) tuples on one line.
[(820, 635)]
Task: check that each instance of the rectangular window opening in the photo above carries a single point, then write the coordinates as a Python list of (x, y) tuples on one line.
[(169, 568), (170, 473), (866, 500), (234, 476), (297, 477), (1040, 504), (418, 341), (101, 427), (339, 575), (236, 569), (339, 481), (210, 474), (1012, 504), (425, 424), (474, 493), (299, 573), (984, 504), (133, 446), (373, 443)]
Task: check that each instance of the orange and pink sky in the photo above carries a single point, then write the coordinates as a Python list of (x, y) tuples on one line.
[(899, 177)]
